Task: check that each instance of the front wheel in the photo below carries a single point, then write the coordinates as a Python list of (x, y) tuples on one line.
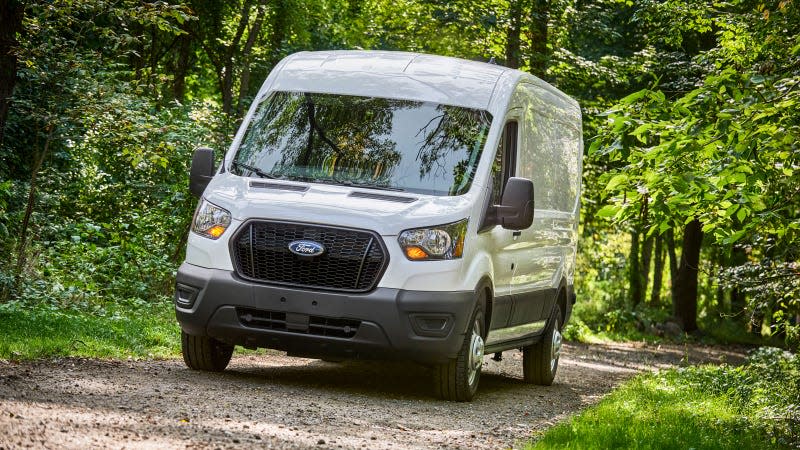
[(540, 360), (205, 353), (457, 380)]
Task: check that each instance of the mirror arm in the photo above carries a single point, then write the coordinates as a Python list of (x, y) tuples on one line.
[(504, 211)]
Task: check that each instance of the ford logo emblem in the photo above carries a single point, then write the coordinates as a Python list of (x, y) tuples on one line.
[(306, 248)]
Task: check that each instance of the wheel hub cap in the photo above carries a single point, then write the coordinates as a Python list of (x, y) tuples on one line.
[(475, 354), (556, 349)]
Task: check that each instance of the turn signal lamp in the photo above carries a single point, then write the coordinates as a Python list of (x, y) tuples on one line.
[(216, 231), (415, 253)]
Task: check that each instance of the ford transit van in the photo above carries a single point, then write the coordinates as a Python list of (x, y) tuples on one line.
[(388, 205)]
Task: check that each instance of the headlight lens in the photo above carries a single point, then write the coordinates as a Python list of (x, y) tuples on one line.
[(438, 242), (210, 220)]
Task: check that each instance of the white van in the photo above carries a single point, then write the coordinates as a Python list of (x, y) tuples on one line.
[(381, 205)]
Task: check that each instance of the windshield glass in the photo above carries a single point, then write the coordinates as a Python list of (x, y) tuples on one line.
[(379, 143)]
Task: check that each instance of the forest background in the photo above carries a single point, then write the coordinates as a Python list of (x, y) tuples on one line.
[(690, 220), (690, 223)]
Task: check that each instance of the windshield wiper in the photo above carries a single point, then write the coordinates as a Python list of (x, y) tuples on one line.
[(337, 182), (307, 179), (254, 170), (366, 185)]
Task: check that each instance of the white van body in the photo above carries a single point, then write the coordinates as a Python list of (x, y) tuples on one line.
[(516, 279)]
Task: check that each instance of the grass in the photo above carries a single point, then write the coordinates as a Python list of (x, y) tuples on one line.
[(139, 331), (696, 408)]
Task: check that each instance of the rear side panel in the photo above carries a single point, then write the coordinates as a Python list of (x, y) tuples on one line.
[(550, 154)]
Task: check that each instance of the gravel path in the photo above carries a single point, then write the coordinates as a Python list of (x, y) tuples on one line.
[(273, 401)]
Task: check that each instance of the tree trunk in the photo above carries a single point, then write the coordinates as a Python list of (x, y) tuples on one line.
[(722, 258), (152, 73), (738, 303), (227, 71), (11, 12), (658, 271), (279, 28), (23, 235), (644, 267), (182, 63), (634, 273), (684, 285), (226, 86), (513, 36), (538, 36), (136, 58), (244, 79), (673, 259)]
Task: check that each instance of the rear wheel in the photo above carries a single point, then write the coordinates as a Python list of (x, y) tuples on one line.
[(205, 353), (540, 360), (457, 379)]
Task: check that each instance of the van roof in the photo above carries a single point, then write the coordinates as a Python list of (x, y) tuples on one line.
[(402, 75)]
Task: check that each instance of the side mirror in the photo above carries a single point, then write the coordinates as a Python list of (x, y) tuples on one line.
[(202, 170), (515, 212)]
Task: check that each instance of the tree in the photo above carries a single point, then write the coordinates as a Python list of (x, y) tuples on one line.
[(47, 107), (705, 159), (10, 24)]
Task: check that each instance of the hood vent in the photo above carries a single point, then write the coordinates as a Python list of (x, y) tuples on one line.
[(278, 186), (384, 197)]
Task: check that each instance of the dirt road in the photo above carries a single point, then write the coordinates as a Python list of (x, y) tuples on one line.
[(272, 401)]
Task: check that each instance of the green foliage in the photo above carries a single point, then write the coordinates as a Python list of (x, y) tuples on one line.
[(774, 288), (122, 204), (752, 406), (690, 111), (709, 155), (722, 149)]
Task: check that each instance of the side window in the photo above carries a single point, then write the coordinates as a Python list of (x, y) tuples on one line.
[(504, 161)]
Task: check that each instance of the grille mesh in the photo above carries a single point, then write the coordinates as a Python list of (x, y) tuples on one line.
[(353, 259)]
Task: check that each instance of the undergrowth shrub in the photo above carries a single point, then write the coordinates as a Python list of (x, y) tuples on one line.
[(766, 390), (111, 216), (721, 407)]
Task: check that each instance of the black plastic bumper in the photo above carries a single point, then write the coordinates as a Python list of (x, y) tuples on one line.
[(391, 323)]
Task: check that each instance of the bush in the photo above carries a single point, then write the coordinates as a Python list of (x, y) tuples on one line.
[(756, 405), (112, 214)]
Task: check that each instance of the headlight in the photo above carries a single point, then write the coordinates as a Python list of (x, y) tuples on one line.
[(210, 220), (438, 242)]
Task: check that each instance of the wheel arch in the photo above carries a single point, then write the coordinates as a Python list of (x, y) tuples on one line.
[(485, 285), (561, 300)]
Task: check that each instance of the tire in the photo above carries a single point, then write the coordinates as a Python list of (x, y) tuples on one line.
[(457, 380), (540, 360), (205, 353)]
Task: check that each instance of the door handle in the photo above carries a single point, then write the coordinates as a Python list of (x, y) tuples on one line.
[(517, 233)]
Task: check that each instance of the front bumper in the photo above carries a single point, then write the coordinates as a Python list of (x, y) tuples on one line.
[(425, 326)]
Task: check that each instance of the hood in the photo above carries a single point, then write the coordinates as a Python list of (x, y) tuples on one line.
[(386, 212)]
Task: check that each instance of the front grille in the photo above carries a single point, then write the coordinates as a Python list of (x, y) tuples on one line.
[(315, 325), (353, 259)]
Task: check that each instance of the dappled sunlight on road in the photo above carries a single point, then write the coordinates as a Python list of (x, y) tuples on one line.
[(269, 399)]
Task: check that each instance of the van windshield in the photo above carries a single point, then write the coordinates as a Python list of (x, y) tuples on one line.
[(379, 143)]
